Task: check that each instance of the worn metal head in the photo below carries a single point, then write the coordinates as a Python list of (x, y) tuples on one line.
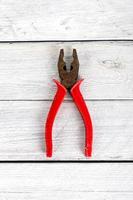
[(68, 78)]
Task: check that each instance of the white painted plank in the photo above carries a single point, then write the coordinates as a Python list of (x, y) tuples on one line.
[(27, 69), (66, 181), (22, 131), (66, 20)]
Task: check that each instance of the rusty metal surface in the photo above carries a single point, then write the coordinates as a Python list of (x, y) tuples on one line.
[(68, 78)]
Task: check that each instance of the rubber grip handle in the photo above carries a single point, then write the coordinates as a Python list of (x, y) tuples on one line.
[(59, 96), (81, 105)]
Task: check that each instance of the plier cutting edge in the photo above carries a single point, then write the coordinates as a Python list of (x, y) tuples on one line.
[(69, 82)]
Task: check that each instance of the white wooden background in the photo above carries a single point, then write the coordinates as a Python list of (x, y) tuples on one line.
[(66, 181), (31, 35), (69, 20)]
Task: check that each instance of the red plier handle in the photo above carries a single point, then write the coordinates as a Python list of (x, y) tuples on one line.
[(61, 91), (80, 103)]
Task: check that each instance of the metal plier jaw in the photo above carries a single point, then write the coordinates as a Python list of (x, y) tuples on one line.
[(69, 82), (68, 78)]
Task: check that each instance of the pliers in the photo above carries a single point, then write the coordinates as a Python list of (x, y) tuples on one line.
[(69, 82)]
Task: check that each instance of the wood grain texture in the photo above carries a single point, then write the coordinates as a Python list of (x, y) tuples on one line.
[(27, 69), (57, 181), (22, 131), (67, 20)]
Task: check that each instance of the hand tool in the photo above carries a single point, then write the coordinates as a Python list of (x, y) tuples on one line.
[(70, 83)]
